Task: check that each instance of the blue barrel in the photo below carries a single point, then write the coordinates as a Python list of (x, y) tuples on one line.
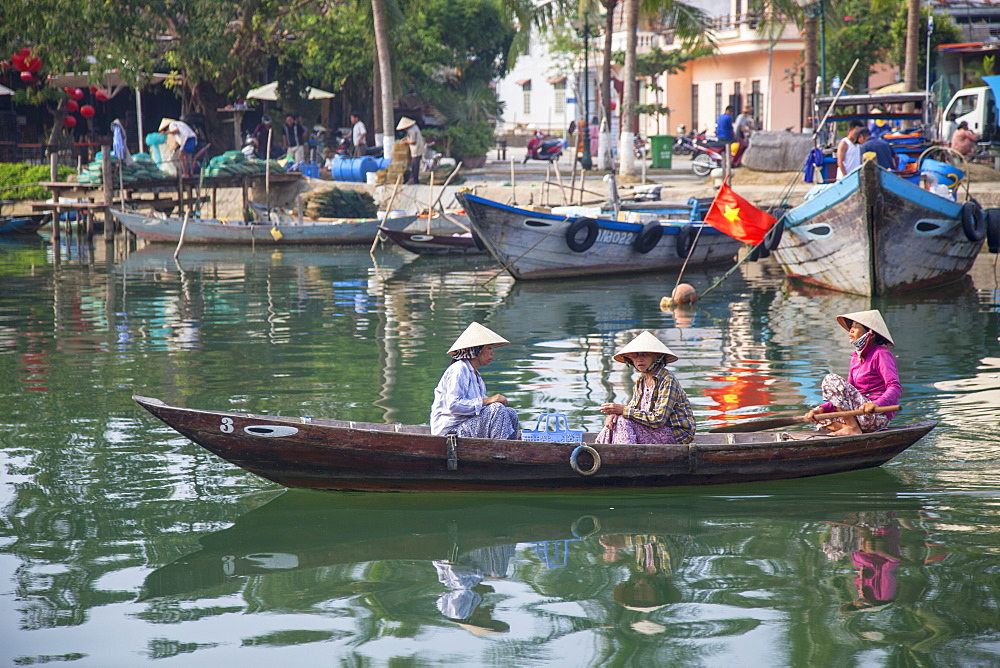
[(353, 169)]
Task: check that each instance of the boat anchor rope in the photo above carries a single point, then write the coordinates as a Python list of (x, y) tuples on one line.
[(451, 441), (589, 450)]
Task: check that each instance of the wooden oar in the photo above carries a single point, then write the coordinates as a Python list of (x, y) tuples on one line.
[(773, 423)]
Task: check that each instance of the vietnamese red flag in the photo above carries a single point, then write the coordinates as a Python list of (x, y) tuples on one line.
[(733, 215)]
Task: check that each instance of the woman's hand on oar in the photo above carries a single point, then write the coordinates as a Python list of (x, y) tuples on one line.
[(774, 423)]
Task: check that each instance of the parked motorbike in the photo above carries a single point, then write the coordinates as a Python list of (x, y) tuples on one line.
[(640, 147), (540, 148), (709, 155), (346, 149), (684, 143), (431, 157)]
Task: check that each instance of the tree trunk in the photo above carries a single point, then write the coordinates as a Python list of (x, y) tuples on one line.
[(202, 98), (809, 32), (912, 48), (377, 128), (385, 70), (626, 154), (605, 160)]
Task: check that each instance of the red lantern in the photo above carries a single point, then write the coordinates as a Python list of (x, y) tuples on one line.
[(32, 63), (101, 96), (77, 94), (27, 77), (87, 111), (69, 121), (72, 105), (18, 62), (93, 89), (25, 52)]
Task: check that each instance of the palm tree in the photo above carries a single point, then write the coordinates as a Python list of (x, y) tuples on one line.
[(912, 47), (385, 74)]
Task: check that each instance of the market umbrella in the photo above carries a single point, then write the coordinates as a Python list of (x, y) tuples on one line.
[(5, 91), (270, 92)]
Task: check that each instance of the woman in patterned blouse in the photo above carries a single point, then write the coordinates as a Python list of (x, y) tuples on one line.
[(659, 411)]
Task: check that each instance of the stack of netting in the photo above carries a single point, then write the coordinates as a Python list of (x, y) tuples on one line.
[(143, 168), (337, 203), (232, 163)]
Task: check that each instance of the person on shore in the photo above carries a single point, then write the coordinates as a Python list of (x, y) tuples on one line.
[(743, 129), (293, 139), (460, 402), (881, 149), (359, 136), (260, 138), (848, 150), (659, 411), (872, 380), (964, 140), (186, 141), (724, 126), (415, 139)]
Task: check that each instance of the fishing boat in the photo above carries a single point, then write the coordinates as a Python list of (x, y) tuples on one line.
[(541, 244), (167, 229), (875, 233), (435, 243), (19, 225), (359, 456)]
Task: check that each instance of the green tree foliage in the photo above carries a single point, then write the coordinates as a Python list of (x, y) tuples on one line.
[(857, 29), (945, 32)]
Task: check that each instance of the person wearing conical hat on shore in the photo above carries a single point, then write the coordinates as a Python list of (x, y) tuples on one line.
[(872, 380), (415, 139), (659, 411), (460, 401)]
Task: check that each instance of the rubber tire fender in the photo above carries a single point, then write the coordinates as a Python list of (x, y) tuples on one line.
[(993, 230), (647, 238), (685, 240), (773, 236), (973, 221), (588, 224)]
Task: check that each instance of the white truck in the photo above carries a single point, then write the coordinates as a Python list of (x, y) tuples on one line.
[(977, 107)]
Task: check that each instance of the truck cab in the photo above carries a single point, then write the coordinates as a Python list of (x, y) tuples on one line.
[(976, 106)]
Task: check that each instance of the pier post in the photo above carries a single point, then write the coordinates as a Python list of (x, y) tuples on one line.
[(109, 222)]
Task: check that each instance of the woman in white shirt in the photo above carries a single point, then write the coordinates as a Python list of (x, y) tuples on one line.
[(460, 401)]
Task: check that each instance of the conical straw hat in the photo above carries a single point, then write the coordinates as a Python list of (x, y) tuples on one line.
[(477, 335), (870, 319), (645, 343), (404, 123)]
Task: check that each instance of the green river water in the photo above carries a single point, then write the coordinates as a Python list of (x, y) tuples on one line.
[(122, 543)]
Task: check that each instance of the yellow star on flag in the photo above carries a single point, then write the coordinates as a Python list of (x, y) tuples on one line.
[(732, 213)]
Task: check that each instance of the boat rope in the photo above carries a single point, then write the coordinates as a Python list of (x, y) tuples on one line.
[(451, 440), (531, 248)]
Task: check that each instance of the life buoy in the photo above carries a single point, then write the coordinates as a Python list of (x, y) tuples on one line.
[(589, 450), (573, 234), (973, 221), (759, 252), (993, 230), (685, 240), (647, 238)]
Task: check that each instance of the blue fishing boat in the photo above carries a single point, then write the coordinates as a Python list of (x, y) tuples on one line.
[(875, 233), (21, 225)]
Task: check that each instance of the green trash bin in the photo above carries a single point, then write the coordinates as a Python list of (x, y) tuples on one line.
[(663, 151)]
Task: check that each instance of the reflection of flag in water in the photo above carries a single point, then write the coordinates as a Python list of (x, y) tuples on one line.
[(733, 215), (744, 387)]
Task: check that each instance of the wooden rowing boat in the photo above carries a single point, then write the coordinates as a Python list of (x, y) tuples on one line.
[(537, 244), (21, 225), (275, 233), (434, 244), (874, 233), (359, 456)]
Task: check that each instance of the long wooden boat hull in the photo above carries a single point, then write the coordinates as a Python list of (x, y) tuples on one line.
[(434, 244), (199, 231), (534, 245), (341, 455), (874, 233), (20, 225)]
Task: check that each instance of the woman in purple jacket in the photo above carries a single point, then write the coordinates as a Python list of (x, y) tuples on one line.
[(872, 382)]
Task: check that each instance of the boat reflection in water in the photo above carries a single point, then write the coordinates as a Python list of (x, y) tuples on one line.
[(690, 568)]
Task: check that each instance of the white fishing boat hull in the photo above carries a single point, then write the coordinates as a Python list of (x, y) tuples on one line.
[(201, 231), (534, 245)]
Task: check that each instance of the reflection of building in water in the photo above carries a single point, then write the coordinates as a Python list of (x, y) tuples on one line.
[(464, 577)]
